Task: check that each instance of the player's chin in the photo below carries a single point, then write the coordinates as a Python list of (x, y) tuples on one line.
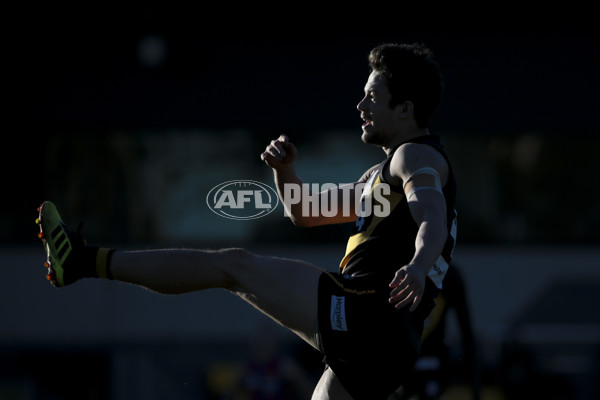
[(365, 134), (368, 137)]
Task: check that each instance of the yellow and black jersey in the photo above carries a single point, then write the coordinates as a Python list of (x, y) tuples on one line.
[(383, 238)]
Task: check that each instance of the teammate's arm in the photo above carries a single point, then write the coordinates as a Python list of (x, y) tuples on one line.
[(423, 172), (280, 156)]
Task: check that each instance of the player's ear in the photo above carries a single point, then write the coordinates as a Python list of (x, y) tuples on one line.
[(405, 110)]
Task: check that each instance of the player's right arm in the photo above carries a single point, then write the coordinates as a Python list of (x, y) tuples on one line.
[(280, 155)]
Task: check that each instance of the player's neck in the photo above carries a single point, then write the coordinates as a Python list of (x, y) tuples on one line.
[(405, 137)]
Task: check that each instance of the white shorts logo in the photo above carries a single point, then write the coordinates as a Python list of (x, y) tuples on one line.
[(338, 313)]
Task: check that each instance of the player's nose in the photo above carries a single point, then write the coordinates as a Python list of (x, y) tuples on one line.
[(362, 105)]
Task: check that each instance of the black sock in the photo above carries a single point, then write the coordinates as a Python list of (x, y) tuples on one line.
[(91, 262), (103, 258)]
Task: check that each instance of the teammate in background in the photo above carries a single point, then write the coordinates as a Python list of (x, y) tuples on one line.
[(435, 370), (367, 319)]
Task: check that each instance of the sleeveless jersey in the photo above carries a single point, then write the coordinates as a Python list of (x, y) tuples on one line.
[(383, 238)]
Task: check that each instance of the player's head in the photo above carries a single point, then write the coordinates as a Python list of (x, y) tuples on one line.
[(412, 75)]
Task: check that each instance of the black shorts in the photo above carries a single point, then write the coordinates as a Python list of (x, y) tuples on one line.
[(370, 346)]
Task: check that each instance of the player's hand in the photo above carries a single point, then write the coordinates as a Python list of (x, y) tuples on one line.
[(408, 286), (279, 152)]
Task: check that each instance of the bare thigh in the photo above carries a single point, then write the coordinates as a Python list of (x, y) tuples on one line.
[(284, 289)]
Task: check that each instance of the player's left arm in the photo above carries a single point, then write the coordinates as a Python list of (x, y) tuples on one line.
[(423, 172)]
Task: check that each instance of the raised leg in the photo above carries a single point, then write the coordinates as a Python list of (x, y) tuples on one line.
[(284, 289)]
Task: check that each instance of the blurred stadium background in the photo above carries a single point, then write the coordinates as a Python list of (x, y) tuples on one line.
[(128, 130)]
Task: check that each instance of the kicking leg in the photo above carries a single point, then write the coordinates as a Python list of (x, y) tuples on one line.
[(283, 289), (286, 290)]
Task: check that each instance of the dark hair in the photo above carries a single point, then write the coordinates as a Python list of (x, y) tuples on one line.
[(412, 74)]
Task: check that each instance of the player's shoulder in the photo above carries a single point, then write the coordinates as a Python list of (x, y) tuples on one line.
[(410, 157), (418, 155)]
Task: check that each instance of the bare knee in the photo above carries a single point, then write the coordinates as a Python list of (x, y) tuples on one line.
[(237, 257), (329, 387), (237, 265)]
